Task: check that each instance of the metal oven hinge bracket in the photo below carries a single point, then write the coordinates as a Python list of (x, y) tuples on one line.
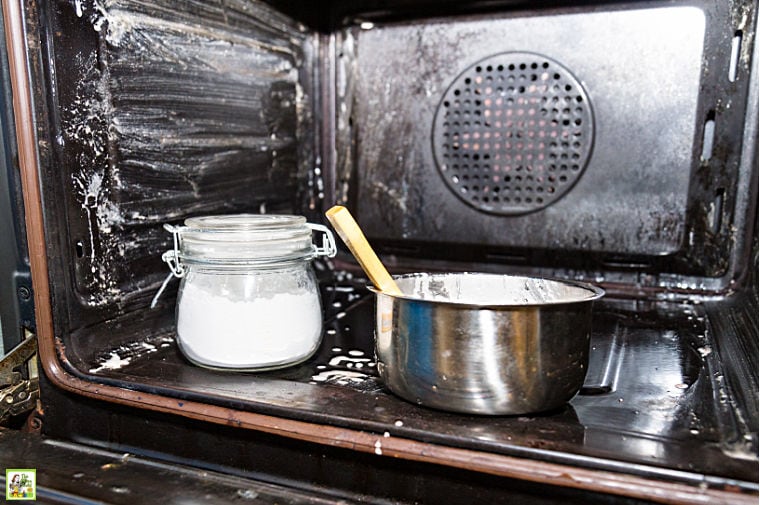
[(17, 394)]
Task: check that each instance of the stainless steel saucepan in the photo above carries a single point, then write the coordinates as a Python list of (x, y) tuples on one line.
[(484, 343)]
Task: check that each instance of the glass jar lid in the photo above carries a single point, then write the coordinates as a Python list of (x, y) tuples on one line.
[(248, 239)]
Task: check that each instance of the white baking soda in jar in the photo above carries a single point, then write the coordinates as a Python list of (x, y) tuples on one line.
[(248, 298)]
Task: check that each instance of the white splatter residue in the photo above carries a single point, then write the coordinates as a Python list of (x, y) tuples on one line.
[(114, 362), (399, 423), (123, 24), (108, 215), (335, 372), (87, 197), (347, 361), (87, 113), (247, 494), (379, 448), (78, 7), (95, 197), (340, 289), (342, 377), (101, 216), (84, 122), (118, 22), (125, 354), (705, 350), (386, 434)]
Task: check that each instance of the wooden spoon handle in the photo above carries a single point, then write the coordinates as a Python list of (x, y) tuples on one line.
[(349, 231)]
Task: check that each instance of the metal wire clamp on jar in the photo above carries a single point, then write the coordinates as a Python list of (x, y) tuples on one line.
[(248, 297)]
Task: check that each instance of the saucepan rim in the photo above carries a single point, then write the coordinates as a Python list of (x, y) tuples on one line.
[(595, 292)]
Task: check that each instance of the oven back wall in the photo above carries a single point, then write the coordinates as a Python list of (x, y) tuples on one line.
[(554, 131), (159, 111)]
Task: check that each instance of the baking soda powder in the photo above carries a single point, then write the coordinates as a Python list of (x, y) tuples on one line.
[(260, 333)]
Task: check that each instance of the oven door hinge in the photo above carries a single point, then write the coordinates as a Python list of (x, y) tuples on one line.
[(17, 393)]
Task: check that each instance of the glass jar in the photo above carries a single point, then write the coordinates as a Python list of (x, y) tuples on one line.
[(248, 297)]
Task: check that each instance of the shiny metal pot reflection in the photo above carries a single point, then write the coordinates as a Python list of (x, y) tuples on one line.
[(484, 343)]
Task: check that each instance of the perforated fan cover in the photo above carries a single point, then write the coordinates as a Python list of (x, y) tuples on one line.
[(513, 133)]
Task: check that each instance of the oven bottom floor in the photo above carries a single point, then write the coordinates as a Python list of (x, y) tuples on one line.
[(660, 400), (91, 450), (112, 454)]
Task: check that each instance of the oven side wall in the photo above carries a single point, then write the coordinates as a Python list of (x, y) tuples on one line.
[(151, 113)]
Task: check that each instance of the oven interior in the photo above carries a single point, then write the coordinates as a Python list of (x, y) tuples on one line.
[(611, 142)]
